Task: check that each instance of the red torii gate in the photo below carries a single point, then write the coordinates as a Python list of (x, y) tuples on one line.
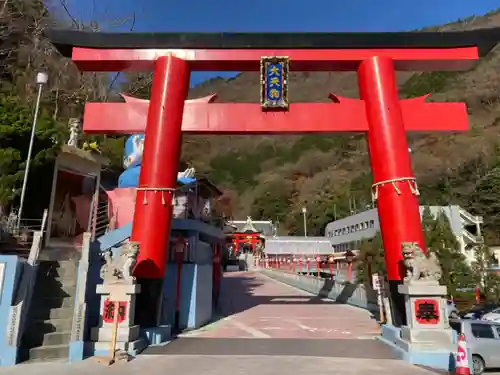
[(380, 113)]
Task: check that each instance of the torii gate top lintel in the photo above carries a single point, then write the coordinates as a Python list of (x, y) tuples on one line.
[(415, 51)]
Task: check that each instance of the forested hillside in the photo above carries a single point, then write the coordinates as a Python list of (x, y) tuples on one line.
[(24, 52), (275, 176), (267, 177)]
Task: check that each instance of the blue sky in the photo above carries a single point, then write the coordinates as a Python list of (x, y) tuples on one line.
[(289, 15)]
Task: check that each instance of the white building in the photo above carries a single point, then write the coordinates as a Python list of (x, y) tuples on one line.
[(298, 246), (344, 234)]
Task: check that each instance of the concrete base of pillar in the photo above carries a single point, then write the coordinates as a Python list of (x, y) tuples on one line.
[(158, 335), (428, 339), (125, 334), (102, 348), (418, 353)]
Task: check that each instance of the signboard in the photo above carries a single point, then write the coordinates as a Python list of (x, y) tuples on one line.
[(77, 334), (13, 325), (377, 282), (109, 308), (274, 82), (426, 311)]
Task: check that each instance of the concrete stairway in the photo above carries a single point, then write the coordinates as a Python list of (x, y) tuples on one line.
[(48, 330)]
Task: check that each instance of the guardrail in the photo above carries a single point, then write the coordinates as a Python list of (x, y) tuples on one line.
[(471, 218), (342, 292), (22, 298)]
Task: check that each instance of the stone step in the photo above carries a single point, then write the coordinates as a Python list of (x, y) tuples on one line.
[(57, 274), (54, 288), (42, 360), (49, 352), (52, 325), (55, 313), (47, 265), (58, 263), (61, 292), (43, 278), (33, 339), (52, 302)]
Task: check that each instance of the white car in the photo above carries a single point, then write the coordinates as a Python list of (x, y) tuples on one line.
[(493, 316)]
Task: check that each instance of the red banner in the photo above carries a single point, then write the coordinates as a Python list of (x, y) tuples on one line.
[(427, 311), (109, 309)]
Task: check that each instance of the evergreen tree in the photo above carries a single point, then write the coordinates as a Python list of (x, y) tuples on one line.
[(485, 199), (488, 281), (15, 129), (428, 223), (371, 252), (440, 240)]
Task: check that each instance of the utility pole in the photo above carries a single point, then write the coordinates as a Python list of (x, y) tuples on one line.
[(304, 212)]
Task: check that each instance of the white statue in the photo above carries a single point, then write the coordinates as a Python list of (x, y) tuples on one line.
[(138, 149), (418, 266), (188, 173), (120, 270), (74, 132)]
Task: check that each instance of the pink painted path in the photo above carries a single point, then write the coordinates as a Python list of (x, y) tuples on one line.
[(254, 306)]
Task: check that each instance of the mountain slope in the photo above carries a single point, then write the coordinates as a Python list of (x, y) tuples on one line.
[(275, 176)]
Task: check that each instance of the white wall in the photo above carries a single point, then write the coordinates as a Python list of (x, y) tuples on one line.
[(353, 228), (366, 225)]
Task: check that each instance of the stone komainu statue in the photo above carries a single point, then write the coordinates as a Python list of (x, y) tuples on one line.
[(418, 266), (120, 270)]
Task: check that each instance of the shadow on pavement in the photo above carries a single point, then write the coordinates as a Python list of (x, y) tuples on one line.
[(237, 295)]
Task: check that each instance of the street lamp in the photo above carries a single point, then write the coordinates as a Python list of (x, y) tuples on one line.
[(304, 212), (41, 80), (349, 256)]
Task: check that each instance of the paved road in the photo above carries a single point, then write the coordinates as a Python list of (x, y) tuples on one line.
[(254, 306), (267, 328)]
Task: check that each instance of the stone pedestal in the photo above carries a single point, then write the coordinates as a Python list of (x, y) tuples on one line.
[(123, 295), (427, 326)]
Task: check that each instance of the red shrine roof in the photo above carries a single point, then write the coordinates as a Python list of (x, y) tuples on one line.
[(485, 39)]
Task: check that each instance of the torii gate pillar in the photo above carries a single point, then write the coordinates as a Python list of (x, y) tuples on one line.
[(160, 164), (394, 184)]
